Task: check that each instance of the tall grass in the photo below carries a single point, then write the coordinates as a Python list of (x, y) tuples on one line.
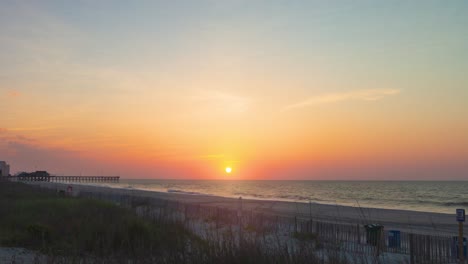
[(56, 225), (81, 230)]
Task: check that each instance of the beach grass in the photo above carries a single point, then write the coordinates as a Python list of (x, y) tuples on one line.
[(43, 220), (83, 230)]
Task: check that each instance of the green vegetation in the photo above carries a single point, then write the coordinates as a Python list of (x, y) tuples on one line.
[(79, 230), (43, 220)]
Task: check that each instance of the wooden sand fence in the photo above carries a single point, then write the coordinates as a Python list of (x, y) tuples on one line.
[(352, 238)]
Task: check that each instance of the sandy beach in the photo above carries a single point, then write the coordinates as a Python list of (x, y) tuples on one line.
[(403, 220)]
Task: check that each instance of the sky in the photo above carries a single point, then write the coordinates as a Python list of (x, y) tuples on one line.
[(329, 90)]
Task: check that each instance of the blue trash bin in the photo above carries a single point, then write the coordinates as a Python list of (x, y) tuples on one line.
[(394, 239), (455, 246)]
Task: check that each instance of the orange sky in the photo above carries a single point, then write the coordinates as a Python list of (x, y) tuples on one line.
[(275, 92)]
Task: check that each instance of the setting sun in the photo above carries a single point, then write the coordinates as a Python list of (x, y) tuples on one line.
[(350, 114)]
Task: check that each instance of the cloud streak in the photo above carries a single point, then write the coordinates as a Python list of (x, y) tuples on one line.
[(13, 94), (356, 95), (219, 101)]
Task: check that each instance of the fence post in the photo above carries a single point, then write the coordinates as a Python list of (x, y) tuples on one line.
[(166, 209), (411, 248), (239, 217), (277, 224), (310, 210), (295, 224), (358, 234), (461, 252), (380, 241), (217, 218), (261, 222)]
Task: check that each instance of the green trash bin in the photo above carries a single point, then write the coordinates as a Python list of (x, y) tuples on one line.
[(374, 234)]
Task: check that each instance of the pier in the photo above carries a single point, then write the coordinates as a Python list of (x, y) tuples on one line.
[(47, 178)]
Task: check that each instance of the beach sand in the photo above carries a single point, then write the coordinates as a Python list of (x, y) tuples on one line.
[(20, 255), (403, 220)]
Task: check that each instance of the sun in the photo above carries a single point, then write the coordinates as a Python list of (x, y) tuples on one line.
[(228, 169)]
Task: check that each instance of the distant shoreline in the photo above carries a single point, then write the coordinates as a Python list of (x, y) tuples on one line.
[(440, 203), (404, 220), (291, 180)]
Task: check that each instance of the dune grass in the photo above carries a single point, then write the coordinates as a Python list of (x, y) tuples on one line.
[(81, 230), (43, 220)]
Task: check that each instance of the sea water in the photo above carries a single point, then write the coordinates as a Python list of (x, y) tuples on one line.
[(427, 196)]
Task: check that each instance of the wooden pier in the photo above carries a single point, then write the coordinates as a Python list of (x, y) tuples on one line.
[(45, 178)]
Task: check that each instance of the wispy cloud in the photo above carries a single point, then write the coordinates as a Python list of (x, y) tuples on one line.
[(7, 135), (220, 101), (356, 95), (32, 128), (13, 94), (210, 156)]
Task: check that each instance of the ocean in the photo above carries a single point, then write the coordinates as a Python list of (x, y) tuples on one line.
[(427, 196)]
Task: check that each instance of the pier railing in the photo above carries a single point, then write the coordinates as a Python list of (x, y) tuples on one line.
[(43, 178)]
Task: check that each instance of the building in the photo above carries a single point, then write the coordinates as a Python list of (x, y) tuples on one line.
[(33, 176), (40, 174), (36, 174), (4, 169)]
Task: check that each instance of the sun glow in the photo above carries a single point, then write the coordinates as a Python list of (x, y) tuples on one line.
[(228, 169)]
